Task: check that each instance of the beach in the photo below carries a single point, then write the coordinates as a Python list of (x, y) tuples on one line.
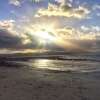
[(25, 83)]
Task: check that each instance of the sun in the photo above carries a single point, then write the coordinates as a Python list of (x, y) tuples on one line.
[(43, 31), (45, 35)]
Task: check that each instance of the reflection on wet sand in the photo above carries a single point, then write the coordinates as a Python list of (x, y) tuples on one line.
[(66, 65), (55, 65), (41, 79), (45, 64)]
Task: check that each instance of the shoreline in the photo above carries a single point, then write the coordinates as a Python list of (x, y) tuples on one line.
[(24, 83)]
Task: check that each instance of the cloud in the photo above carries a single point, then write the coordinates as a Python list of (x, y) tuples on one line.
[(85, 33), (10, 41), (60, 1), (90, 28), (98, 14), (84, 28), (63, 1), (7, 24), (97, 6), (63, 11), (11, 37), (67, 37), (7, 40), (15, 2), (36, 0), (80, 40), (10, 26)]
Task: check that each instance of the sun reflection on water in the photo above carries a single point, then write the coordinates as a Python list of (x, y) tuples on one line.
[(77, 66), (45, 64)]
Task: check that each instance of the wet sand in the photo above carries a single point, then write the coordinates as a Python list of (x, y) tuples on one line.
[(24, 83)]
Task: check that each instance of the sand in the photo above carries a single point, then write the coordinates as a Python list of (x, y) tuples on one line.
[(24, 83)]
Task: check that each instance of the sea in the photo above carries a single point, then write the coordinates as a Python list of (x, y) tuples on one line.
[(71, 63)]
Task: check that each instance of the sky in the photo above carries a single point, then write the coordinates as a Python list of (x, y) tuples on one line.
[(39, 25)]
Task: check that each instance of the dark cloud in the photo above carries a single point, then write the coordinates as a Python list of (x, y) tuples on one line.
[(7, 40), (66, 7), (10, 41), (88, 45), (64, 10)]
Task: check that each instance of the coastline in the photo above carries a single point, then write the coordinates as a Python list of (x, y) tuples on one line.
[(22, 83)]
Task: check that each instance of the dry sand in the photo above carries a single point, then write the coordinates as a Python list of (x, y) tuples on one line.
[(23, 83)]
